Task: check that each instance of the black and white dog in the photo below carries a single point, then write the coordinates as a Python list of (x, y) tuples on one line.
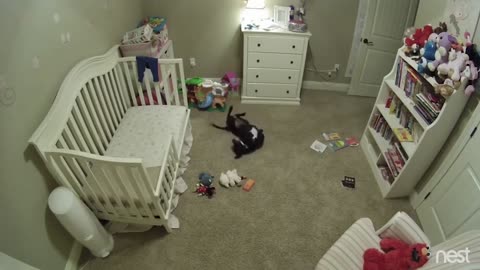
[(249, 137)]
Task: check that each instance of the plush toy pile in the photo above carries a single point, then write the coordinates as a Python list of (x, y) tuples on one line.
[(444, 57)]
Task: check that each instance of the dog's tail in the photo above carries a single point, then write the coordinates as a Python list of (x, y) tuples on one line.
[(219, 127), (230, 111)]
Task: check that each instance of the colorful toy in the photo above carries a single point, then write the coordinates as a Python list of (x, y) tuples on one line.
[(442, 27), (428, 55), (204, 187), (396, 255), (207, 102), (205, 179), (457, 61), (249, 185), (233, 81), (444, 44), (420, 37), (446, 89)]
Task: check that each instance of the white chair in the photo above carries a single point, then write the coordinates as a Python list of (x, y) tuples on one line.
[(347, 252)]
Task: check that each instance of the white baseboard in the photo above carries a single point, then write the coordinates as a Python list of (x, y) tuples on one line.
[(326, 86), (74, 256)]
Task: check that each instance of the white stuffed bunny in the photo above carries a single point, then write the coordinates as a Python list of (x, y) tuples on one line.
[(224, 180), (233, 176)]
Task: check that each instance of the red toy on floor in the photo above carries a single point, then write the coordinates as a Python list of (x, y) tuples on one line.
[(397, 255)]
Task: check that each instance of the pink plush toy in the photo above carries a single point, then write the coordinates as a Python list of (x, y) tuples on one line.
[(471, 74), (457, 61), (444, 44)]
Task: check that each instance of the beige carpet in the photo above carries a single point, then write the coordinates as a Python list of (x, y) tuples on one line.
[(297, 208)]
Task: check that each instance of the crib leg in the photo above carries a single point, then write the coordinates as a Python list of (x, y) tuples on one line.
[(167, 227)]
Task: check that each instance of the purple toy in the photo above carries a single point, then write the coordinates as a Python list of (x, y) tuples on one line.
[(444, 43), (232, 79)]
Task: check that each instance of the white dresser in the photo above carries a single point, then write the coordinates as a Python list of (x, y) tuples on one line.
[(273, 63)]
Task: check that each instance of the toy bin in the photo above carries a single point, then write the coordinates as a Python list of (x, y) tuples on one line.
[(151, 49)]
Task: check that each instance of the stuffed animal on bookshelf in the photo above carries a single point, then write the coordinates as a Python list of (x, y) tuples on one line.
[(444, 44), (457, 61), (446, 89), (420, 37), (442, 27), (471, 74), (428, 55), (396, 255)]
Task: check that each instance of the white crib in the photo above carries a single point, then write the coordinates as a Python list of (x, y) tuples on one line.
[(120, 156)]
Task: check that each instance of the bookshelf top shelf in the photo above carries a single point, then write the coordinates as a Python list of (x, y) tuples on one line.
[(414, 65)]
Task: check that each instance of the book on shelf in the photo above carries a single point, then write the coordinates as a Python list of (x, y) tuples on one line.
[(386, 173), (403, 135), (399, 149), (390, 164), (380, 126)]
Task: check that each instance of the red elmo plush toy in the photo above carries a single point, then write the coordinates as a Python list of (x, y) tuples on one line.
[(398, 256), (420, 37)]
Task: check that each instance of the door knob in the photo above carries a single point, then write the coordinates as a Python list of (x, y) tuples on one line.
[(366, 41)]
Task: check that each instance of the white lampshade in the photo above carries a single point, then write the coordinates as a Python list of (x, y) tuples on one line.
[(258, 4)]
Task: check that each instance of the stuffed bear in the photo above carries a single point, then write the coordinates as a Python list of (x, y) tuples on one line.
[(457, 61), (444, 44), (428, 55), (396, 255), (446, 89), (471, 74)]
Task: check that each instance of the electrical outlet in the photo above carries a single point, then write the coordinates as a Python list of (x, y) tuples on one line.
[(337, 67), (193, 62)]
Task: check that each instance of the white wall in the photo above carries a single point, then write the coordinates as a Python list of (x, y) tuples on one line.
[(28, 231)]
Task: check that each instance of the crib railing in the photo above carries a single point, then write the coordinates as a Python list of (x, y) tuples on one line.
[(118, 188)]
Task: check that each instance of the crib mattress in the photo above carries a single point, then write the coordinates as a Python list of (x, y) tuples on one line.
[(143, 133)]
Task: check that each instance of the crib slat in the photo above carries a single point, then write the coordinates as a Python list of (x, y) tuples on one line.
[(111, 183), (68, 174), (103, 106), (157, 92), (175, 84), (99, 187), (130, 85), (108, 102), (120, 79), (84, 129), (99, 112), (71, 143), (116, 92), (135, 181), (91, 127), (149, 90), (122, 183), (164, 84), (184, 85), (113, 98), (77, 134), (139, 86), (91, 111)]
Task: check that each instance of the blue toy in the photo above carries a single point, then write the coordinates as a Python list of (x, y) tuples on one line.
[(205, 179), (428, 55), (206, 103)]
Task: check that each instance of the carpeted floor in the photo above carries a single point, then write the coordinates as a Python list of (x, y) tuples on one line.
[(297, 208)]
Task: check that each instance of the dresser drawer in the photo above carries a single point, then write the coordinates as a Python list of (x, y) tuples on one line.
[(261, 75), (272, 90), (274, 60), (276, 44)]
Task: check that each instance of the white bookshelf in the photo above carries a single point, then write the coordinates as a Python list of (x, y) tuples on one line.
[(430, 141)]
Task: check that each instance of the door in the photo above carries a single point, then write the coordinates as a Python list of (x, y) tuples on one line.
[(381, 37), (453, 206)]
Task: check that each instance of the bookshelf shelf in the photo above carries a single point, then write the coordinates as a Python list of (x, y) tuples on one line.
[(408, 102), (429, 138)]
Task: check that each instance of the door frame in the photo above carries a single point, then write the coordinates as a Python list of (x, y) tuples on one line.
[(417, 198)]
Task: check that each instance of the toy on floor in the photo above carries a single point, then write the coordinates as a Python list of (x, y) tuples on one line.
[(230, 179), (396, 255), (204, 187), (232, 80), (248, 185)]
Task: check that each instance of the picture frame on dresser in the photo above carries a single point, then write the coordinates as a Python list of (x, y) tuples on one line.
[(273, 66)]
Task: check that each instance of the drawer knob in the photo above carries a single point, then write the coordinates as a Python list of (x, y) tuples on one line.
[(258, 44), (258, 60), (293, 47), (291, 62), (289, 77), (288, 92), (256, 76), (256, 90)]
